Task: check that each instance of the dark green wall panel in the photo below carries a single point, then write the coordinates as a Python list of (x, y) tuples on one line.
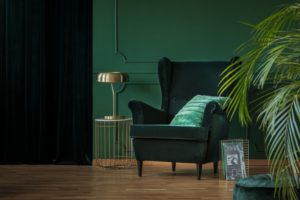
[(189, 29), (131, 35)]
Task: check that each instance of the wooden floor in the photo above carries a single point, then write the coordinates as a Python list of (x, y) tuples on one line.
[(51, 182)]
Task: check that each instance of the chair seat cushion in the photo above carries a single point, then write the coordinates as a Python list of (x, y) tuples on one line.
[(161, 131), (191, 114)]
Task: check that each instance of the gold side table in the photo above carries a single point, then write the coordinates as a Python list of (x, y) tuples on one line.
[(112, 143)]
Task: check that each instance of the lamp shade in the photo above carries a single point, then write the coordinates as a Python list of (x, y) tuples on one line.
[(112, 77)]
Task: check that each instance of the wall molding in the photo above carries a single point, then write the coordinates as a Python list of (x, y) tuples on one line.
[(119, 52), (117, 48)]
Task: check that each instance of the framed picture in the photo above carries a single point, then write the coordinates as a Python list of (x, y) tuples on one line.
[(233, 159)]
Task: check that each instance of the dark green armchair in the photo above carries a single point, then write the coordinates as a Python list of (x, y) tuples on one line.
[(155, 140)]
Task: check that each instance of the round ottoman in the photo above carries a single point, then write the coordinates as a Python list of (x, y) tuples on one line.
[(257, 187)]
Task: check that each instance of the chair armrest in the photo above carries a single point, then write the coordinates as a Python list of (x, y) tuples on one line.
[(143, 113), (218, 124), (211, 109)]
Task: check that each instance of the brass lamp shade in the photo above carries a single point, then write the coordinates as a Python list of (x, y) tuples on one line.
[(112, 77)]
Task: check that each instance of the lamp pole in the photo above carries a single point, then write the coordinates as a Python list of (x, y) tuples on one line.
[(113, 100)]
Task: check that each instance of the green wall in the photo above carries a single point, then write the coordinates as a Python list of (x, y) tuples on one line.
[(131, 35)]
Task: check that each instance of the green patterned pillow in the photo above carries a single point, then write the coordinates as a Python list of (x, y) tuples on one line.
[(191, 114)]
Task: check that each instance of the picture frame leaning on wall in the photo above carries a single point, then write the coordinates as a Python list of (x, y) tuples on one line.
[(233, 159)]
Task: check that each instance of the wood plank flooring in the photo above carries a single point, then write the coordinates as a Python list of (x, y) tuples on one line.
[(66, 182)]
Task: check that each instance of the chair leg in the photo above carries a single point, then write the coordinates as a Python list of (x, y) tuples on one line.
[(199, 170), (140, 167), (215, 167), (173, 166)]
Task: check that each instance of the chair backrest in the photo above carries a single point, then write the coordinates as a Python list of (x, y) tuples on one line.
[(180, 81)]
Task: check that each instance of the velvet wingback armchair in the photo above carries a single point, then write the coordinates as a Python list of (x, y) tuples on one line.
[(154, 139)]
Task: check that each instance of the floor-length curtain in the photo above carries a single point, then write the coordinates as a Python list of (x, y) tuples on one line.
[(68, 55), (45, 81)]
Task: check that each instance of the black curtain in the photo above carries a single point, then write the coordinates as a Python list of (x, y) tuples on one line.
[(45, 61)]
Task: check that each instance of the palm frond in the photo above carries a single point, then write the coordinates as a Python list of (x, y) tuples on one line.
[(271, 64), (282, 143)]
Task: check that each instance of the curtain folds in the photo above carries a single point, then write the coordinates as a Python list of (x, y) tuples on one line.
[(45, 63)]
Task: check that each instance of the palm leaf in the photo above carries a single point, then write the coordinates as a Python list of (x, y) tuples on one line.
[(281, 140)]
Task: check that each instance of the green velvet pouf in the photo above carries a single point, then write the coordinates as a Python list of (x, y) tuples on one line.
[(255, 187)]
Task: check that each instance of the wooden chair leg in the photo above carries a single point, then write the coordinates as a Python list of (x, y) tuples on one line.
[(199, 170), (215, 167), (140, 167), (173, 166)]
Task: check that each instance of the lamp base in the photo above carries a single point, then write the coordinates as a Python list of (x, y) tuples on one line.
[(114, 117)]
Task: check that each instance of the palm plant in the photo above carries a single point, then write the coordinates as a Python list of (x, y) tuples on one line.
[(271, 65)]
